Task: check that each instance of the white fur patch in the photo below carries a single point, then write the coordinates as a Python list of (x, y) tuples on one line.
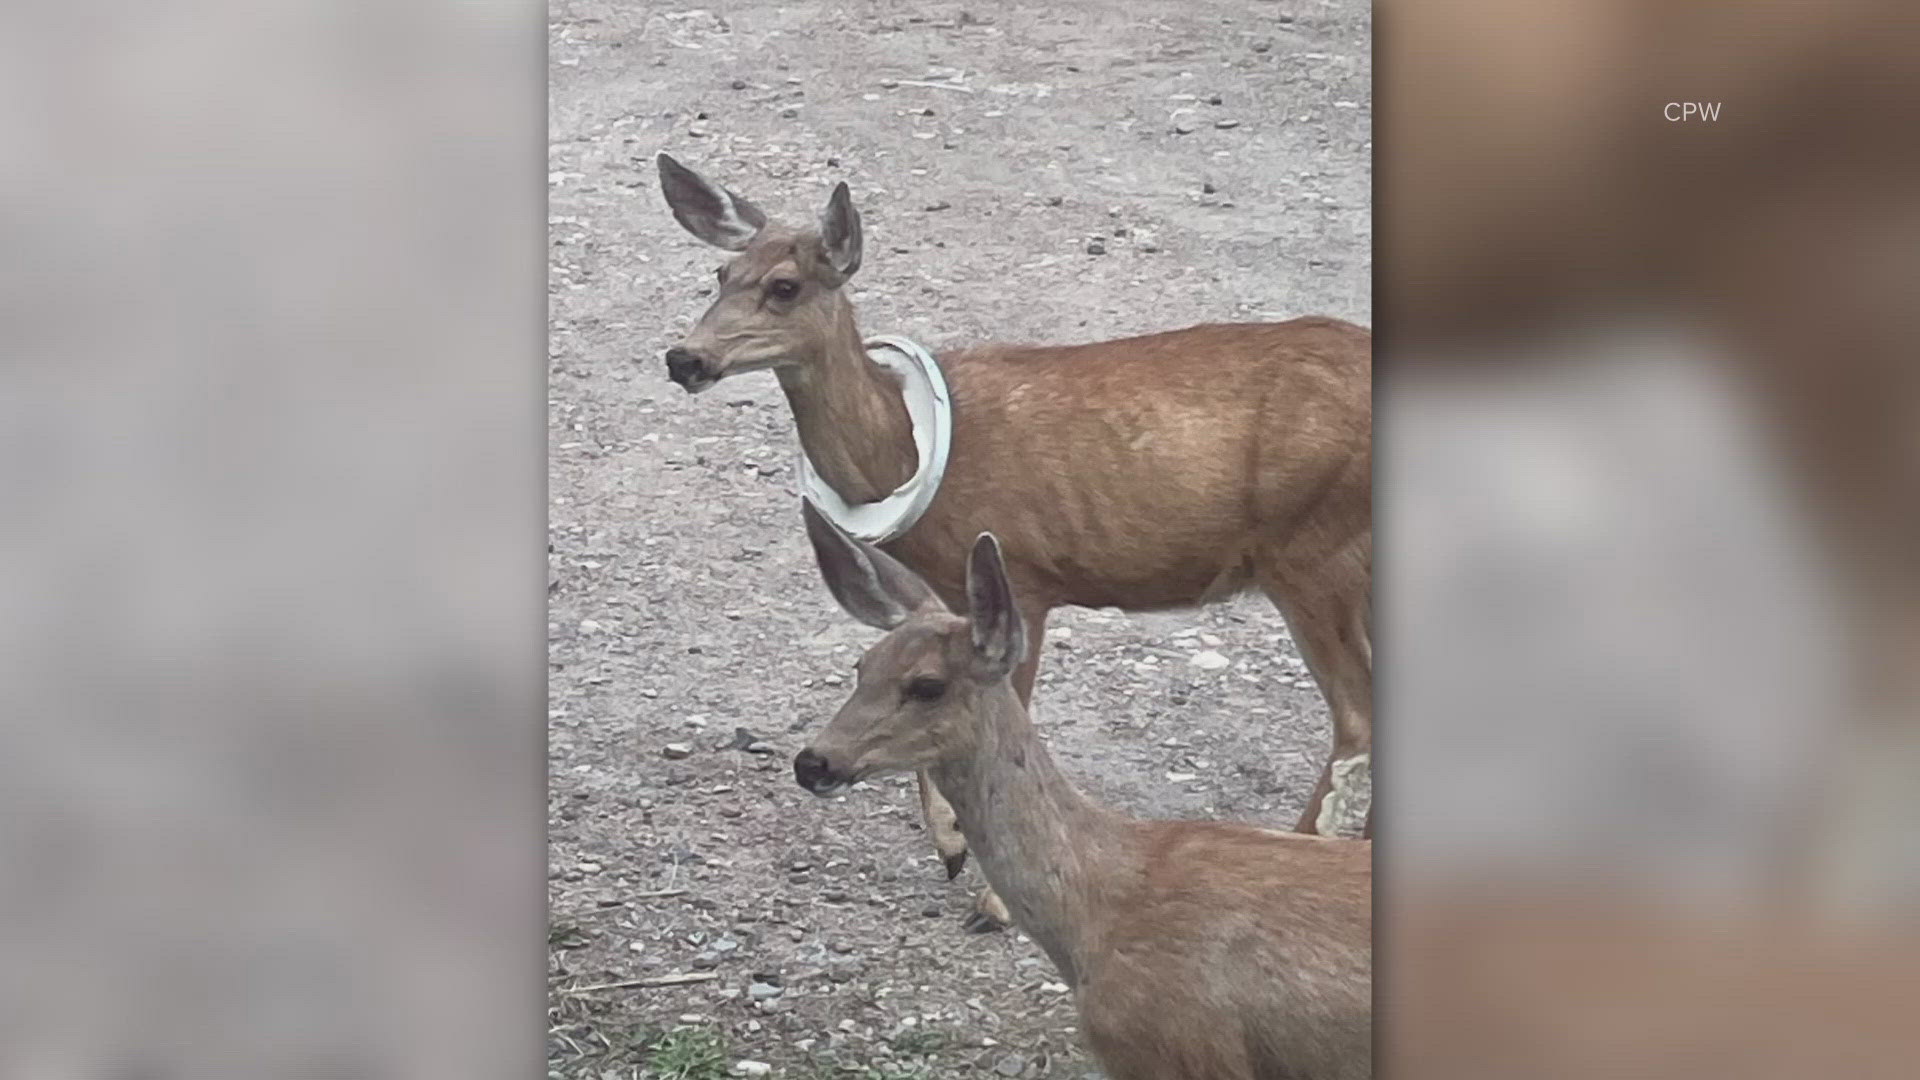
[(738, 229), (1351, 791)]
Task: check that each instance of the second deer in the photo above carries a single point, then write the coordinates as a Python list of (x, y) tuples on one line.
[(1146, 473), (1196, 950)]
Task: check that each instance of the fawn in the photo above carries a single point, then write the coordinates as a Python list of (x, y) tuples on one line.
[(1197, 950)]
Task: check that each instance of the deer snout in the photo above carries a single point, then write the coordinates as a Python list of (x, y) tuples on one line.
[(684, 366), (813, 772)]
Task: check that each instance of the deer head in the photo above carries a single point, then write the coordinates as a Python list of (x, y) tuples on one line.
[(779, 302), (922, 689)]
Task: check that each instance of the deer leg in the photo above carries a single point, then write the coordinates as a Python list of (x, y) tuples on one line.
[(943, 826), (989, 911), (1326, 608)]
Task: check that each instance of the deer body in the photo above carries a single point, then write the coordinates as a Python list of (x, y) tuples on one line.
[(1196, 950), (1151, 472)]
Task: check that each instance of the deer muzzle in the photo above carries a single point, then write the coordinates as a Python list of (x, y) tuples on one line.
[(814, 773), (689, 369)]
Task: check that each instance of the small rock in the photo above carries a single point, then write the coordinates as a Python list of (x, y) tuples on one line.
[(739, 84), (1226, 122), (1183, 126), (1207, 188), (589, 626), (676, 751), (1011, 1065), (1056, 200), (1262, 46), (752, 1068), (763, 991), (1214, 100), (1209, 660), (941, 205), (1095, 247)]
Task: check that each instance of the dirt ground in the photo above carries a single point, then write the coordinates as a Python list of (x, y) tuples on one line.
[(1077, 170)]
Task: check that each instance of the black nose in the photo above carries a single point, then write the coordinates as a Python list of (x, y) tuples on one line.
[(810, 770), (682, 366)]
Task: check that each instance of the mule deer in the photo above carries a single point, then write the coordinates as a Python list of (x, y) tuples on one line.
[(1147, 473), (1197, 950)]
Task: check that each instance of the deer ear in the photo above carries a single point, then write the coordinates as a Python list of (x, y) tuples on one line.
[(840, 232), (999, 633), (870, 584), (708, 210)]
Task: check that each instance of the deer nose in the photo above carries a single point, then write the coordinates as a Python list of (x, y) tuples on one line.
[(683, 365), (811, 771)]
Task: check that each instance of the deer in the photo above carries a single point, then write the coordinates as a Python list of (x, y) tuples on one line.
[(1196, 950), (1148, 473)]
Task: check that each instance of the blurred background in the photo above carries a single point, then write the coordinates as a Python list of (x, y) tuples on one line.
[(271, 555), (1649, 511), (270, 604)]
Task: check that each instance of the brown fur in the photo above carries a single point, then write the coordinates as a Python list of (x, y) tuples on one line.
[(1197, 950), (1151, 472)]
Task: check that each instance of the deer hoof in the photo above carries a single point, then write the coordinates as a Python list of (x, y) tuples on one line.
[(954, 863), (982, 923)]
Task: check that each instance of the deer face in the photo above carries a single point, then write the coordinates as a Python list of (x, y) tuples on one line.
[(779, 299), (907, 711), (919, 694)]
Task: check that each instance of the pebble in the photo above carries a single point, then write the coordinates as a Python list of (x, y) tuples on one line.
[(1226, 122), (762, 991), (1209, 660), (1011, 1065), (1095, 247), (676, 751), (752, 1068)]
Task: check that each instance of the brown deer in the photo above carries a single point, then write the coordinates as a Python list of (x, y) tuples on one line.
[(1197, 950), (1147, 473)]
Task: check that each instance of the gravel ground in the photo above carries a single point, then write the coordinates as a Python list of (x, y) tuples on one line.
[(1076, 171)]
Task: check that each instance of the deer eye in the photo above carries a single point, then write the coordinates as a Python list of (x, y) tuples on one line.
[(926, 688), (783, 289)]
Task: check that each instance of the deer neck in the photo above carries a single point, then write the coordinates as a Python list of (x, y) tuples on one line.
[(852, 421), (1044, 846)]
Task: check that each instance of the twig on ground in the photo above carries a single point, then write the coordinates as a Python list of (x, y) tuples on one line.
[(933, 85), (651, 982)]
